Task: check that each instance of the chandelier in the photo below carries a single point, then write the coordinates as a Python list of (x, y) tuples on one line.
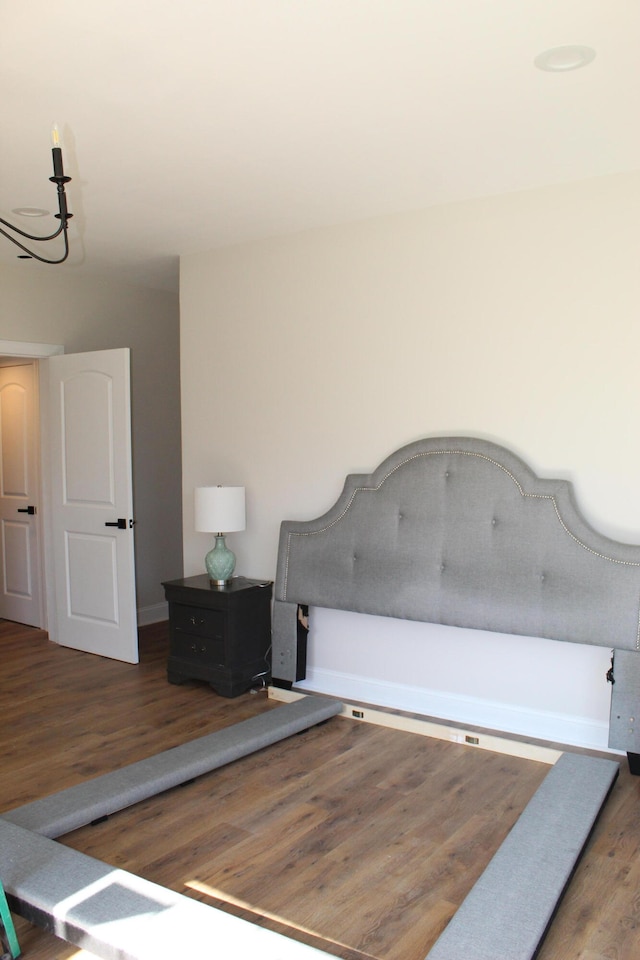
[(63, 215)]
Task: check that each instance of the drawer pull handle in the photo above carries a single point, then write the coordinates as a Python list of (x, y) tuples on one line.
[(198, 649), (195, 621)]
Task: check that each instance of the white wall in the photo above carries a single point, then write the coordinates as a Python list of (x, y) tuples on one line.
[(512, 318), (51, 305)]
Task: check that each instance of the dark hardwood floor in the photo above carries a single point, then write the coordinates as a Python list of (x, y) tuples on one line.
[(354, 838)]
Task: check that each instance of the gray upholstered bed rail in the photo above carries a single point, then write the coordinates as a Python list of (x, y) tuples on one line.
[(508, 911), (116, 914), (120, 916), (62, 812), (461, 531)]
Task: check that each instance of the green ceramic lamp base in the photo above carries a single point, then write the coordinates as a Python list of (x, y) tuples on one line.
[(220, 562)]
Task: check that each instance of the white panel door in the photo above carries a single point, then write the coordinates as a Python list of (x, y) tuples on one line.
[(89, 424), (19, 557)]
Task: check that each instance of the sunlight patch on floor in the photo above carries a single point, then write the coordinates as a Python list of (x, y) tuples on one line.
[(224, 897)]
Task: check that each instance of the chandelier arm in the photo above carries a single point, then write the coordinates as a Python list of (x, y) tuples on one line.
[(31, 236), (36, 256)]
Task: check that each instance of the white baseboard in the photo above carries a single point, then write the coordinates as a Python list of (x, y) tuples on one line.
[(540, 725), (153, 614)]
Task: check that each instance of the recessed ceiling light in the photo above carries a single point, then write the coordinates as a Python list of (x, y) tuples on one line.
[(30, 212), (559, 59)]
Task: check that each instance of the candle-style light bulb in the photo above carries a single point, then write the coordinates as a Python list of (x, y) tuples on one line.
[(56, 149)]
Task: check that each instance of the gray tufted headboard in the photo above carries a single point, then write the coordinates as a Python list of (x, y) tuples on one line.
[(460, 531)]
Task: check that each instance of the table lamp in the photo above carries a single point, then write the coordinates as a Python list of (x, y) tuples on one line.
[(219, 509)]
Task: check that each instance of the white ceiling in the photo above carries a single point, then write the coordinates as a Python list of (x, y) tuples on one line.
[(195, 124)]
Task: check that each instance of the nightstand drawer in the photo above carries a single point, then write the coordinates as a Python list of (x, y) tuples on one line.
[(198, 621), (198, 649)]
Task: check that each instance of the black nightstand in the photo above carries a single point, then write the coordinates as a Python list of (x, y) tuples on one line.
[(219, 634)]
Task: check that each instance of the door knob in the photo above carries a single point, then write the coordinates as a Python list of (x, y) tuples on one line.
[(30, 510)]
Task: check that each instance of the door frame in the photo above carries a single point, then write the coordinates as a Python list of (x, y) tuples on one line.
[(24, 350)]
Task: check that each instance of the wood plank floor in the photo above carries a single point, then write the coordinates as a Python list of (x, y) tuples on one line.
[(354, 838)]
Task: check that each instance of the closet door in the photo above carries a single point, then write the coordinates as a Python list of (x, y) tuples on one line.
[(20, 589)]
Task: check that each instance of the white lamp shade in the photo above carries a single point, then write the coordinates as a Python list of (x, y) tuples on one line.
[(219, 509)]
